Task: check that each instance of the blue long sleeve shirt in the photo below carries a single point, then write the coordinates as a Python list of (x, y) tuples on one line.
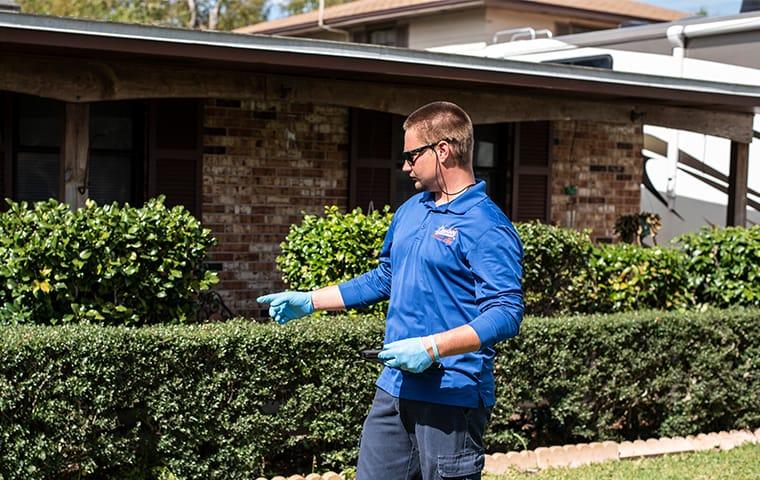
[(443, 267)]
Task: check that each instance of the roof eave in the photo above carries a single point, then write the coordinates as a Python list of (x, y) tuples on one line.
[(343, 60)]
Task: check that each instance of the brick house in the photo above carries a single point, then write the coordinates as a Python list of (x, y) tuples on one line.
[(250, 132)]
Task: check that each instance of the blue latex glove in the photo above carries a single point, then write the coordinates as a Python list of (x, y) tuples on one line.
[(287, 306), (408, 354)]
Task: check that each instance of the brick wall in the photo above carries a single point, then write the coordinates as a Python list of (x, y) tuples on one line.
[(268, 161), (264, 163), (604, 162)]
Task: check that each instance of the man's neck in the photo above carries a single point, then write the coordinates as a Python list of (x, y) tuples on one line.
[(455, 189)]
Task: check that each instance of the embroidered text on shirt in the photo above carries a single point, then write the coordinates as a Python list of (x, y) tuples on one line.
[(446, 235)]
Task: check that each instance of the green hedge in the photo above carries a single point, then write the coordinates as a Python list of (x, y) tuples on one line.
[(104, 264), (553, 261), (563, 272), (723, 265), (236, 400), (623, 277)]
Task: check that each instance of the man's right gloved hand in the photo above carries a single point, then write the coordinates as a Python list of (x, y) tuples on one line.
[(287, 306)]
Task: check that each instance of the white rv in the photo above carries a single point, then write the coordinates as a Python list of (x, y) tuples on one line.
[(686, 174)]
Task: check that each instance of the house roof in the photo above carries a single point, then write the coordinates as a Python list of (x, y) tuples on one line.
[(363, 11), (349, 61)]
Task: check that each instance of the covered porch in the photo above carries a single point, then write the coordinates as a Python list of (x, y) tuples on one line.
[(251, 132)]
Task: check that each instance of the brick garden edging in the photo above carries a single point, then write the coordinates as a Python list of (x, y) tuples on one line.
[(311, 476), (588, 453)]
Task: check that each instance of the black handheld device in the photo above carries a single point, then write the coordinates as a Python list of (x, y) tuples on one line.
[(371, 355)]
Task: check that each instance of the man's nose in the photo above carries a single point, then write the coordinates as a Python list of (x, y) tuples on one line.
[(405, 167)]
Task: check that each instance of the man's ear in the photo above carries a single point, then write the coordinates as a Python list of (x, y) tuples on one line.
[(445, 155)]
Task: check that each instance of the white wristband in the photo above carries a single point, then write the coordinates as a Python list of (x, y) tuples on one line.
[(435, 348)]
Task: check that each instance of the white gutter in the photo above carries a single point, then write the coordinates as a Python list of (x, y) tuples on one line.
[(722, 27)]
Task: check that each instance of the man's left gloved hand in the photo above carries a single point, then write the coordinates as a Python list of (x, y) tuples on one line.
[(409, 354)]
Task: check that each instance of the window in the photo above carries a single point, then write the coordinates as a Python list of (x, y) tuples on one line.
[(116, 152), (492, 159), (513, 158), (375, 175), (389, 35), (569, 28), (38, 139), (385, 36), (32, 152)]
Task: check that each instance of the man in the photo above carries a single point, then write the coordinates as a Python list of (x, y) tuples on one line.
[(451, 266)]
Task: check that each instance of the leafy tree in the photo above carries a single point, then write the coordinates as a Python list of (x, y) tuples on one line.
[(197, 14)]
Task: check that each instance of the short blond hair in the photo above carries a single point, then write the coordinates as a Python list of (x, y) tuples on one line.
[(444, 121)]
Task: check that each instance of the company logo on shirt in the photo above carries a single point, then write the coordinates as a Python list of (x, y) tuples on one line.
[(446, 235)]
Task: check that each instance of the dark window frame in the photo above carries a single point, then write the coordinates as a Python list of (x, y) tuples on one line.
[(154, 152), (502, 135), (137, 154), (6, 146), (18, 148), (364, 34), (143, 156)]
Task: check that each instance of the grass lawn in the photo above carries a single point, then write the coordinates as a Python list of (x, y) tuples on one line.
[(737, 464)]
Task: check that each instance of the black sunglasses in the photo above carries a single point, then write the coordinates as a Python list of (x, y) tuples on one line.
[(410, 156)]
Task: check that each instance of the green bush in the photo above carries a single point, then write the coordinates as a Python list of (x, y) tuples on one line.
[(625, 277), (331, 249), (554, 257), (238, 400), (104, 264), (563, 272), (722, 265)]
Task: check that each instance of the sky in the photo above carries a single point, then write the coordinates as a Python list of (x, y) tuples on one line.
[(713, 7)]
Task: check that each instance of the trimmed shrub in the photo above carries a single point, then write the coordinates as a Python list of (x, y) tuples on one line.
[(722, 265), (628, 376), (554, 257), (625, 277), (104, 264), (331, 249), (238, 400), (563, 272)]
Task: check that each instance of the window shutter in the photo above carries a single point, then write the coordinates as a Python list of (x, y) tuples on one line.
[(532, 182), (371, 172), (176, 152)]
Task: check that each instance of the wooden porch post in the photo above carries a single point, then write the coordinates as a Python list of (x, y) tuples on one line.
[(76, 151), (737, 185)]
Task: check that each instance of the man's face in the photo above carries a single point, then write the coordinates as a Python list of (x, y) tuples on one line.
[(423, 173)]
